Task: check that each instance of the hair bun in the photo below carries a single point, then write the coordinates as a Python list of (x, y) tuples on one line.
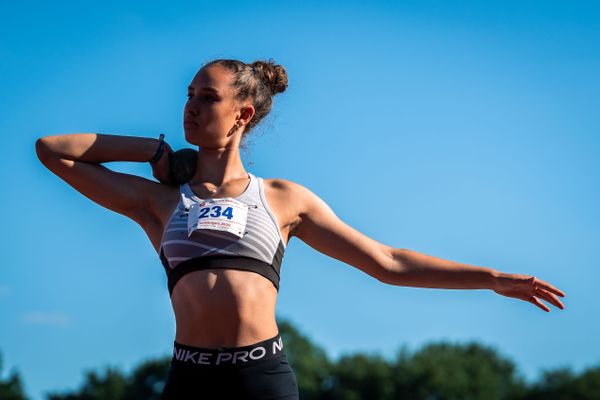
[(273, 75)]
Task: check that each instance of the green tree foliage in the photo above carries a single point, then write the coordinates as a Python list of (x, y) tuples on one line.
[(361, 377), (445, 371), (437, 371), (563, 384), (111, 384), (146, 382), (310, 363), (11, 388), (148, 379)]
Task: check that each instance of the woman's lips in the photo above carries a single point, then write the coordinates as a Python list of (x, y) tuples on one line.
[(189, 123)]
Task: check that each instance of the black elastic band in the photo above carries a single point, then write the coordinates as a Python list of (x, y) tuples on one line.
[(159, 151), (219, 262), (227, 357)]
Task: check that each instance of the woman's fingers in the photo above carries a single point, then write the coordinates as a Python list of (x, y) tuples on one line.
[(549, 297), (529, 288), (538, 303), (549, 287)]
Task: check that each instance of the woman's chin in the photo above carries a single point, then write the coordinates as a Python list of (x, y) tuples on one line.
[(190, 140), (204, 140)]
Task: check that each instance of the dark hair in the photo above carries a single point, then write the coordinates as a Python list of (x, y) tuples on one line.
[(258, 81)]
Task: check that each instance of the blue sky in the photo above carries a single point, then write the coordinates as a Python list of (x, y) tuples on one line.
[(468, 131)]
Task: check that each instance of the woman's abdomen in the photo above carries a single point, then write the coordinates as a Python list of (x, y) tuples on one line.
[(224, 307)]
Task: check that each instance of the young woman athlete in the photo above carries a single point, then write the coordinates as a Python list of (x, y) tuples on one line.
[(221, 236)]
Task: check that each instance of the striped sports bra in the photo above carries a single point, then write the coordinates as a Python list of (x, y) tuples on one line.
[(260, 248)]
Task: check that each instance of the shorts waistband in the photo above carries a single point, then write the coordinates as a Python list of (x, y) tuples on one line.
[(227, 356)]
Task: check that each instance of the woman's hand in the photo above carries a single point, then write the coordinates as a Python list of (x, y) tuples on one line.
[(161, 169), (528, 288)]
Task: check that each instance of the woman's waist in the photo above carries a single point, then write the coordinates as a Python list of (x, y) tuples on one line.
[(225, 331), (243, 355)]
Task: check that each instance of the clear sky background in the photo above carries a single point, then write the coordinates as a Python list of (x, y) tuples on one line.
[(464, 130)]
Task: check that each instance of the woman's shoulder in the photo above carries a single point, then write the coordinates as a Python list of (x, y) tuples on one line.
[(283, 186), (290, 192), (287, 199)]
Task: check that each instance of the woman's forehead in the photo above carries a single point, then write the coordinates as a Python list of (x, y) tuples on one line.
[(217, 78)]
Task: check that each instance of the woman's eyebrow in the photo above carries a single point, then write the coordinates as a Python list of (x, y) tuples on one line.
[(208, 88)]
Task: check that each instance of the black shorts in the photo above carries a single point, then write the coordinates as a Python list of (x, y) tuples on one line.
[(257, 371)]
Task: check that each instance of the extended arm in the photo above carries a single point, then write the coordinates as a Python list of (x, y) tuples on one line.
[(321, 229), (409, 268)]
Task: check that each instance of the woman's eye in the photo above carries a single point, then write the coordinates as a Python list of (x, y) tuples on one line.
[(210, 98)]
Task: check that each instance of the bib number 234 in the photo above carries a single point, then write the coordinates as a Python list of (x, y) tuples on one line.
[(226, 215)]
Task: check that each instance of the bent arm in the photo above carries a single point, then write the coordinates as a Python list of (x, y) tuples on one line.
[(409, 268), (76, 158), (97, 148)]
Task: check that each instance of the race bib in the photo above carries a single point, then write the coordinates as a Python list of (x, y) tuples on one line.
[(226, 215)]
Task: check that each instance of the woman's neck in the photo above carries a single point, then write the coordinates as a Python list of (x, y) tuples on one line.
[(218, 166)]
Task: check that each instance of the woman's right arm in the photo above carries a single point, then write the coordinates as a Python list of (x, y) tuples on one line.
[(76, 159)]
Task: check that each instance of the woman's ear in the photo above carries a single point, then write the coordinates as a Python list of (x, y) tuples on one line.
[(247, 113)]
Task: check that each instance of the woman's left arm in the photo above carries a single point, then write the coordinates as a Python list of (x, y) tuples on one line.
[(320, 228), (409, 268)]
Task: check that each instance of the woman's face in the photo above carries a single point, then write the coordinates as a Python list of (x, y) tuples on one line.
[(211, 111)]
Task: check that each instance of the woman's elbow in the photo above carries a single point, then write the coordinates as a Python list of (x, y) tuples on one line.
[(394, 268), (42, 150)]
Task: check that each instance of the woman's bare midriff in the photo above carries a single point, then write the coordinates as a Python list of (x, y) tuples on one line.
[(219, 307), (224, 307)]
